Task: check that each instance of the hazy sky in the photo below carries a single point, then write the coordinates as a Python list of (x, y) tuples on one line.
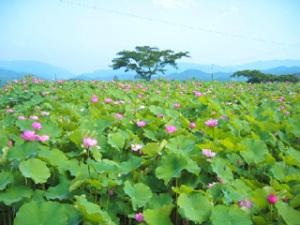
[(84, 35)]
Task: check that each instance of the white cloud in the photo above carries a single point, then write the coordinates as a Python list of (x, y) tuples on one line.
[(171, 4)]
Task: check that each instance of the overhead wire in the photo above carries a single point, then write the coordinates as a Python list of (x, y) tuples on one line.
[(171, 23)]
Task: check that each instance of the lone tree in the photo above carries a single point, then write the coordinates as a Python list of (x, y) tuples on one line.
[(147, 61)]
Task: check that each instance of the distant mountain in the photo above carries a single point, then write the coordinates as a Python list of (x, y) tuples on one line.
[(17, 68), (105, 75), (283, 70), (257, 65), (40, 69), (6, 75), (199, 75)]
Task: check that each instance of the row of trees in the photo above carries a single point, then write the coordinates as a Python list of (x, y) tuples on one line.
[(255, 76)]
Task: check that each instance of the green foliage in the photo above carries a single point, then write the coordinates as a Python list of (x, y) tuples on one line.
[(35, 169), (289, 214), (195, 207), (37, 213), (5, 179), (167, 177), (172, 165), (15, 194), (222, 215), (147, 61), (139, 194), (158, 216), (91, 212), (255, 76)]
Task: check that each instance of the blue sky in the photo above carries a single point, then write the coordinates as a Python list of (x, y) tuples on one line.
[(84, 35)]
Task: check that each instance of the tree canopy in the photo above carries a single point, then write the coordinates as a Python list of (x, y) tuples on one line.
[(256, 76), (147, 61)]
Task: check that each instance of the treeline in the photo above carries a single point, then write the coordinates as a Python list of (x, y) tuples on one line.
[(255, 76)]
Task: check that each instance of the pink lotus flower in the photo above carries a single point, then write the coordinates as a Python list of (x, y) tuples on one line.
[(171, 129), (28, 135), (94, 99), (197, 93), (10, 110), (21, 118), (34, 117), (139, 217), (208, 153), (245, 204), (176, 105), (141, 123), (44, 113), (281, 99), (89, 142), (108, 100), (211, 123), (160, 116), (10, 143), (192, 125), (210, 185), (223, 117), (36, 125), (42, 138), (119, 116), (136, 147), (272, 199)]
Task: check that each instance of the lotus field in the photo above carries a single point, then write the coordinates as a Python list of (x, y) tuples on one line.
[(156, 153)]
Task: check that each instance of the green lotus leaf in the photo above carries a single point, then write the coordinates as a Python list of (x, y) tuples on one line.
[(60, 191), (92, 212), (133, 163), (105, 166), (22, 151), (222, 169), (171, 166), (181, 143), (15, 194), (24, 124), (254, 151), (236, 190), (139, 194), (152, 149), (151, 134), (116, 140), (160, 200), (6, 178), (159, 216), (194, 206), (41, 213), (223, 215), (35, 169), (294, 125), (290, 215), (55, 158)]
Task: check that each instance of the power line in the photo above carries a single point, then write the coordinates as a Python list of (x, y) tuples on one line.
[(171, 23)]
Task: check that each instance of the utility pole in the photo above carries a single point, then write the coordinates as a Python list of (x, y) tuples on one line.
[(212, 72)]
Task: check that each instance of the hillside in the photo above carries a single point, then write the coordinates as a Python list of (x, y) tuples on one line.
[(6, 75), (17, 68), (40, 69)]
